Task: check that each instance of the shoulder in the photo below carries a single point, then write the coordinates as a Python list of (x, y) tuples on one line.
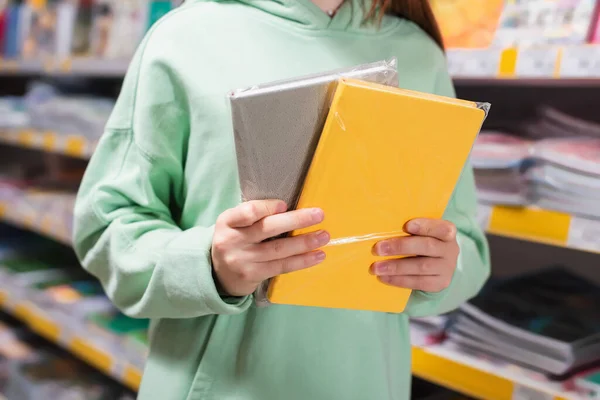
[(181, 25), (200, 30), (421, 43), (421, 60)]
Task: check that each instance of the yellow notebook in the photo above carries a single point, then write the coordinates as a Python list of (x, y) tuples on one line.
[(385, 156)]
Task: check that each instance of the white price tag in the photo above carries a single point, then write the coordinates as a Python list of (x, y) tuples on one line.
[(527, 393), (580, 62), (537, 62), (584, 234), (474, 63)]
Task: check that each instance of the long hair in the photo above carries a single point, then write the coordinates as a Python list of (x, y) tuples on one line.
[(417, 11)]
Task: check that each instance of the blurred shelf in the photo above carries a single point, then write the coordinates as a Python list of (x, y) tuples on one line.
[(46, 221), (542, 65), (30, 210), (77, 342), (528, 82), (479, 378), (542, 226), (70, 145), (579, 65), (70, 67)]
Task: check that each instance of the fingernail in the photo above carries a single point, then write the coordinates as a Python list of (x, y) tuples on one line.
[(317, 214), (320, 256), (322, 238), (281, 207), (385, 279), (385, 249), (413, 227), (381, 269)]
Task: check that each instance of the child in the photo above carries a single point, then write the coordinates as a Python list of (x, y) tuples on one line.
[(158, 218)]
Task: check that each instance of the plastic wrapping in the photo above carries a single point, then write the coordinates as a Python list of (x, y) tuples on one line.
[(384, 156), (277, 127)]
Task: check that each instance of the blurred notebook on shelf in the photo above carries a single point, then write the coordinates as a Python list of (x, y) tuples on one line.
[(547, 320), (468, 24), (544, 22), (499, 160), (277, 127), (385, 156)]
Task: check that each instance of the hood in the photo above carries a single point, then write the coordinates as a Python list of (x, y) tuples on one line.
[(349, 17)]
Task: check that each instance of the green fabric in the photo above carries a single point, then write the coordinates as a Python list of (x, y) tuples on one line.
[(165, 169)]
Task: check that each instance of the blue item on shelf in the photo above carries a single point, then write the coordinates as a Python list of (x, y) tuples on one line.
[(12, 38)]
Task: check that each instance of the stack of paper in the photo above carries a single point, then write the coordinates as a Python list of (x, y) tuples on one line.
[(567, 175), (499, 160), (530, 320)]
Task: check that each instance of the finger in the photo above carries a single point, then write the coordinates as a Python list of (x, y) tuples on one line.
[(410, 246), (436, 228), (411, 266), (275, 225), (249, 213), (291, 264), (432, 284), (283, 248)]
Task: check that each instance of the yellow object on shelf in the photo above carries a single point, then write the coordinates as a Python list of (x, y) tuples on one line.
[(383, 152), (132, 377), (45, 324), (539, 62), (71, 145), (478, 379), (542, 226), (459, 377), (45, 327), (23, 312), (90, 353), (530, 224)]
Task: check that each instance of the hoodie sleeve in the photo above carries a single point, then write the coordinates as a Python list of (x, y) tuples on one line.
[(125, 232), (473, 266)]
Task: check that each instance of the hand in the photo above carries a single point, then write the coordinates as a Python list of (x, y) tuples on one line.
[(432, 254), (242, 259)]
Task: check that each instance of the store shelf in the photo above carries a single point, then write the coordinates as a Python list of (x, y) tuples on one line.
[(77, 342), (89, 67), (70, 145), (578, 64), (446, 366), (524, 223), (543, 64), (542, 226), (44, 221)]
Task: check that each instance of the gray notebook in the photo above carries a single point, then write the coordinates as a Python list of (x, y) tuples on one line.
[(277, 128)]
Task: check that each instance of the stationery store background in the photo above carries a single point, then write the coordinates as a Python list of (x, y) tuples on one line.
[(537, 166)]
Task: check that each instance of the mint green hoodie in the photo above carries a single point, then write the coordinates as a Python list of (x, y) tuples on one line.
[(165, 169)]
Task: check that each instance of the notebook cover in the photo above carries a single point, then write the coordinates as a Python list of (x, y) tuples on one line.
[(3, 13), (11, 41), (385, 156), (277, 127)]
